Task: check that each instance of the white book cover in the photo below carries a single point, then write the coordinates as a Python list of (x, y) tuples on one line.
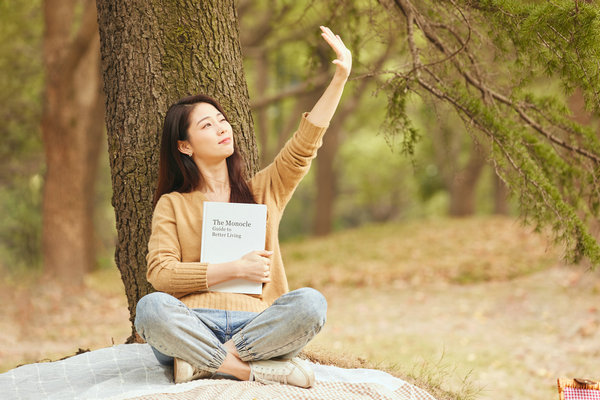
[(230, 231)]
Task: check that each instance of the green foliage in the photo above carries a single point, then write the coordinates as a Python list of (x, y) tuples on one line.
[(298, 219), (21, 78), (21, 83), (397, 122), (21, 225), (374, 183), (546, 159), (565, 37)]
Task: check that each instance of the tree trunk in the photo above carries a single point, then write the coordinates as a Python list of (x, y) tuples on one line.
[(326, 177), (326, 181), (154, 53), (582, 116), (576, 104), (462, 190), (501, 194), (72, 131)]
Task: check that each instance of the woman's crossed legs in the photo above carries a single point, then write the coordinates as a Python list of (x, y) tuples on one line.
[(227, 341)]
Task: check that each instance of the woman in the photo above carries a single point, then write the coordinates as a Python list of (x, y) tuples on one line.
[(204, 332)]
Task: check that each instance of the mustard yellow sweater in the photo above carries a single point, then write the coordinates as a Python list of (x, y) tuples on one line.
[(173, 256)]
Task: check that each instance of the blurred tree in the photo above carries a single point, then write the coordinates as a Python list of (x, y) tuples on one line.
[(551, 163), (461, 163), (274, 41), (578, 109), (374, 184), (21, 151), (458, 159), (72, 128), (20, 88), (154, 53), (326, 177)]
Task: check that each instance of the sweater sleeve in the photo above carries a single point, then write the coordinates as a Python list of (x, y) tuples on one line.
[(292, 163), (166, 272)]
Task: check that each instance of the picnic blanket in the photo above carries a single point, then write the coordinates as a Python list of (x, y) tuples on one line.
[(130, 371)]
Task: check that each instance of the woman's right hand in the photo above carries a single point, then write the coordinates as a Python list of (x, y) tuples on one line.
[(344, 56), (256, 266)]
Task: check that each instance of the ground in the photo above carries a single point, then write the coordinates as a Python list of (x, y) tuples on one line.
[(510, 340), (481, 300)]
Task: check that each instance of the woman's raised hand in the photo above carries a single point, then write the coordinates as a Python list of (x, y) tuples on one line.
[(256, 266), (323, 110), (344, 57)]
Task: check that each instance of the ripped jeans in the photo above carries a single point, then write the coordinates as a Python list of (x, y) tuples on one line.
[(196, 335)]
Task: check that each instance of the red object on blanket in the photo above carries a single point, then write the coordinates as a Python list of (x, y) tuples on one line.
[(581, 394), (578, 389)]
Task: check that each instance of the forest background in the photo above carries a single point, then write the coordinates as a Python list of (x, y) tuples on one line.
[(394, 157)]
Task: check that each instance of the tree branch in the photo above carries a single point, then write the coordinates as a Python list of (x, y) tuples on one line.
[(411, 16), (296, 90), (443, 95)]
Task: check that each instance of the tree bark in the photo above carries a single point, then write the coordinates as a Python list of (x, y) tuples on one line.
[(501, 194), (72, 131), (326, 182), (154, 53), (462, 189), (576, 104), (459, 180)]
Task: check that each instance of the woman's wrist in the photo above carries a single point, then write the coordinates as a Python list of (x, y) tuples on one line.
[(222, 272), (339, 78), (235, 270)]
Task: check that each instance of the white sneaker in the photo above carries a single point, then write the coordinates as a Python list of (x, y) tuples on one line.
[(294, 372), (184, 372)]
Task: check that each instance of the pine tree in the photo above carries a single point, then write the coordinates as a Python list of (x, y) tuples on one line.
[(492, 62)]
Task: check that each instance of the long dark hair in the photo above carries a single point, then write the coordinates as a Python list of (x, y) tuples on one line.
[(177, 172)]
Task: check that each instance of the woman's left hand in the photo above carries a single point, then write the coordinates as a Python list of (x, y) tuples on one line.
[(344, 57)]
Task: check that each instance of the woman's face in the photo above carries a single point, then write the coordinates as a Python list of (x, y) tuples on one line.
[(210, 137)]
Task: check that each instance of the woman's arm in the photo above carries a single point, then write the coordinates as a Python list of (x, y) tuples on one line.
[(281, 177), (325, 107), (166, 272)]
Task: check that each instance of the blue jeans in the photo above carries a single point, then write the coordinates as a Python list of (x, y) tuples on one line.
[(197, 335)]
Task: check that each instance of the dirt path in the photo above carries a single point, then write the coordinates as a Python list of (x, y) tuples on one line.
[(512, 338)]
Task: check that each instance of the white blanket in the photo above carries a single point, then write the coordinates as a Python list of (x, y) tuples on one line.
[(131, 371)]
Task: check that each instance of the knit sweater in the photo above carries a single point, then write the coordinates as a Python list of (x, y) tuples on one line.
[(173, 256)]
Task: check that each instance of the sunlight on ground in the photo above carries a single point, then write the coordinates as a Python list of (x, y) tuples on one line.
[(511, 339), (455, 250), (48, 322), (481, 298)]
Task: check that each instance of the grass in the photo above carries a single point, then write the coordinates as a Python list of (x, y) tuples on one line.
[(415, 299), (462, 251), (378, 269), (426, 376)]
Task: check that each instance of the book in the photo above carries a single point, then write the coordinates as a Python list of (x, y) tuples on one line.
[(230, 231)]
